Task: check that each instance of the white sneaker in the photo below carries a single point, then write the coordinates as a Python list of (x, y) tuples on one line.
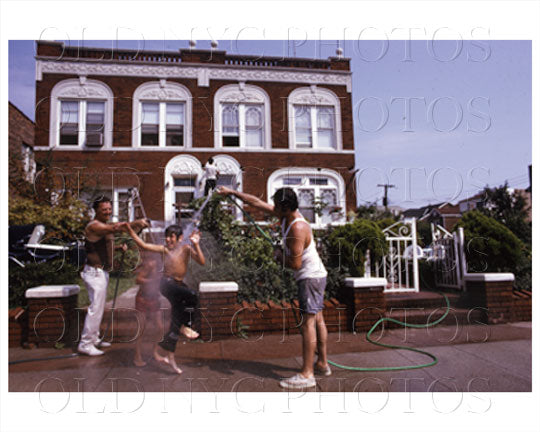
[(298, 382), (102, 344), (89, 350)]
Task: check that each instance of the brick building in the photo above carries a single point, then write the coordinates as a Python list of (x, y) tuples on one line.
[(111, 120), (21, 145)]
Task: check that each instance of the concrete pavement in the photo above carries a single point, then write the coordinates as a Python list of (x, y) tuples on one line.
[(474, 358)]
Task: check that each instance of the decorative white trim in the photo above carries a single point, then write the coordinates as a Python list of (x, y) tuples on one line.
[(215, 287), (314, 96), (490, 277), (161, 91), (179, 165), (303, 171), (203, 74), (80, 89), (228, 165), (242, 94), (45, 291), (210, 149), (355, 282)]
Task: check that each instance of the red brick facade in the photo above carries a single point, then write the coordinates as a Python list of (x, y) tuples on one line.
[(21, 140), (257, 166)]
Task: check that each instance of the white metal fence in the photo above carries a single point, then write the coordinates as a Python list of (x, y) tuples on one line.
[(448, 259), (400, 265)]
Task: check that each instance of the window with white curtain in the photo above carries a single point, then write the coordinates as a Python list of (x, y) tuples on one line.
[(242, 114), (321, 193), (242, 125), (314, 116), (314, 127)]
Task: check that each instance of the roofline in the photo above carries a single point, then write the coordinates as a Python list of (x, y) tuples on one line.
[(23, 114)]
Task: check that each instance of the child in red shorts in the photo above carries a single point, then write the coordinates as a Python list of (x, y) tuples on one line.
[(147, 301)]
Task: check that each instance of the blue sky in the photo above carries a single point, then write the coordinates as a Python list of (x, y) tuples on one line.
[(439, 120)]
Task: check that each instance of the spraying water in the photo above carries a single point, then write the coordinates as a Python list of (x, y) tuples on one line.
[(194, 222)]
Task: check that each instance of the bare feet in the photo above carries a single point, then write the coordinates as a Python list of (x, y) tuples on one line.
[(167, 360), (189, 332), (172, 363), (159, 358), (139, 362)]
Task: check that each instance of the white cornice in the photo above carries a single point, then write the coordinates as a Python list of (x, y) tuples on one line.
[(199, 149), (203, 73)]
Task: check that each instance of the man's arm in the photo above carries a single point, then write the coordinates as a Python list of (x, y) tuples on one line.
[(248, 199), (100, 229)]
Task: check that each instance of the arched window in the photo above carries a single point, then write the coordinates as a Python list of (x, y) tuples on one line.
[(81, 114), (320, 192), (314, 119), (242, 117), (183, 175), (162, 115)]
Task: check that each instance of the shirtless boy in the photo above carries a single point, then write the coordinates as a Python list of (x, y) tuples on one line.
[(147, 301), (175, 259)]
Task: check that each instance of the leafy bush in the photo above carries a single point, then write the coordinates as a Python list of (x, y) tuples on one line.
[(490, 246), (240, 253), (56, 272), (64, 221), (347, 245)]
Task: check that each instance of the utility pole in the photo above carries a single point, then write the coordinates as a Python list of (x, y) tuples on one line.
[(385, 199)]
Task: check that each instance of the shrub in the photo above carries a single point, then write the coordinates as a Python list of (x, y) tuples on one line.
[(64, 221), (56, 272), (346, 246), (240, 253), (490, 246)]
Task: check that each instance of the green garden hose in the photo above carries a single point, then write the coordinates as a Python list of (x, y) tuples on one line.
[(380, 321)]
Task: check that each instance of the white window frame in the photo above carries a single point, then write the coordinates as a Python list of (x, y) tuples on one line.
[(314, 97), (242, 95), (81, 90), (162, 92), (275, 181)]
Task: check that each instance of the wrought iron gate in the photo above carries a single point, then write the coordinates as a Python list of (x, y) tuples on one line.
[(400, 265), (448, 258)]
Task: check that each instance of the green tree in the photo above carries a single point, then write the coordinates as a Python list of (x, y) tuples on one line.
[(510, 209), (490, 246)]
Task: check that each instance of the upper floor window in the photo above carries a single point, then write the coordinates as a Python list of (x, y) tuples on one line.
[(81, 114), (82, 122), (162, 115), (242, 114), (162, 124), (314, 119)]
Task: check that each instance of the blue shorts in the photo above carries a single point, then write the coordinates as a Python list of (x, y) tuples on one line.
[(311, 295)]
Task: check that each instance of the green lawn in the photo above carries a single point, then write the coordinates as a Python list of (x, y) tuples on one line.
[(124, 284)]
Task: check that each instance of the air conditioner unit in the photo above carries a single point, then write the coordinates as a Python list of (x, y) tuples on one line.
[(94, 139)]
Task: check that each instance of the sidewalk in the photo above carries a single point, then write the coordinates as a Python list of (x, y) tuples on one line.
[(475, 358)]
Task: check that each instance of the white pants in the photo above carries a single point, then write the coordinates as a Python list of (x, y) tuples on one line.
[(96, 281)]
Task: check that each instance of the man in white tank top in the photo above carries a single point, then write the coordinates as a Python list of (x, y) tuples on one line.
[(300, 255)]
